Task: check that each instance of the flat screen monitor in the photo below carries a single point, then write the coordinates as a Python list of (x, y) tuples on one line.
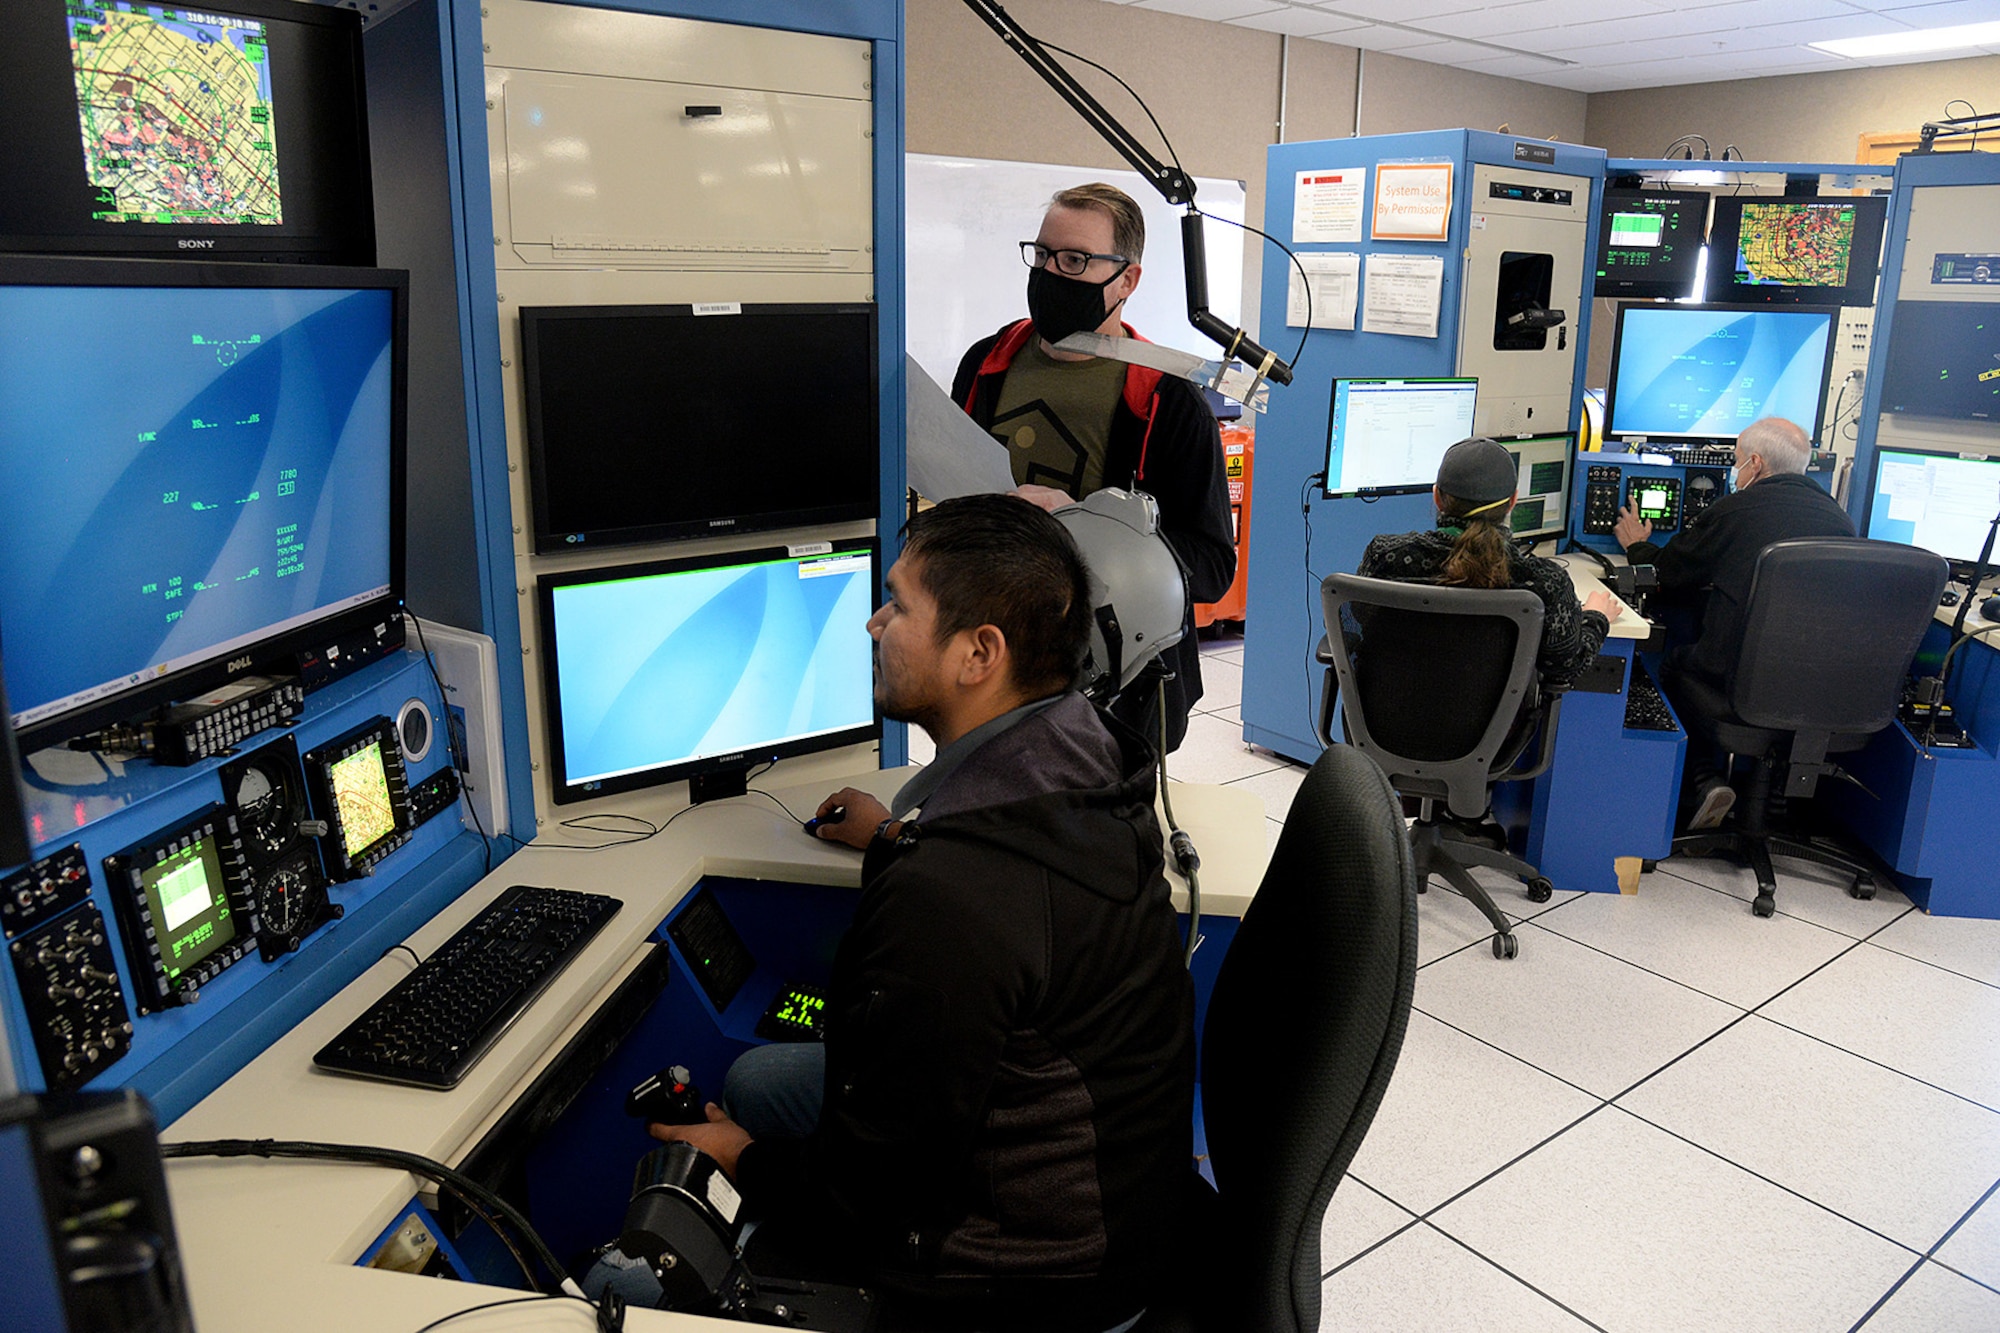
[(227, 131), (1649, 242), (649, 423), (662, 671), (1386, 437), (1944, 360), (204, 469), (1704, 372), (1941, 502), (1795, 251), (1541, 500)]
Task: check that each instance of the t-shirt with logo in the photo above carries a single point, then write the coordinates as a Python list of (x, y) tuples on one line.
[(1055, 418)]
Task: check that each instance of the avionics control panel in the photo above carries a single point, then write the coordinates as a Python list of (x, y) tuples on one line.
[(1657, 500)]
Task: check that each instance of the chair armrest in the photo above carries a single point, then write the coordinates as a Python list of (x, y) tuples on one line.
[(1550, 713), (1323, 651)]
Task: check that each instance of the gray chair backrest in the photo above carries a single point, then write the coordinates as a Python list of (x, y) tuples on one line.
[(1303, 1031), (1441, 677), (1830, 629)]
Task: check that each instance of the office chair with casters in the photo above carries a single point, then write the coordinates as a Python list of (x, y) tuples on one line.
[(1303, 1031), (1830, 629), (1443, 694)]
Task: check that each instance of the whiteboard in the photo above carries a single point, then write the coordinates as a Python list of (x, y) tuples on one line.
[(965, 218)]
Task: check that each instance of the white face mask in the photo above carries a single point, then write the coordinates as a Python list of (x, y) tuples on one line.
[(1732, 480)]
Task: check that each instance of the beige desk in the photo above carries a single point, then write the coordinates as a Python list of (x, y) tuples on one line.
[(1584, 575), (272, 1244)]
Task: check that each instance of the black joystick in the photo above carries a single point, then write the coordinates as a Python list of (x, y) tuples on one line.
[(667, 1098), (833, 816)]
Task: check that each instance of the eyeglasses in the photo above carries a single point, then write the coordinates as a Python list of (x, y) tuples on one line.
[(1071, 262)]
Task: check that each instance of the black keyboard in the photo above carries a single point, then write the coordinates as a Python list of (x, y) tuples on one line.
[(436, 1023), (1645, 710)]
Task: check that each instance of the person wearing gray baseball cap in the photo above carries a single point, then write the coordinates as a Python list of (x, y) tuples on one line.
[(1472, 547)]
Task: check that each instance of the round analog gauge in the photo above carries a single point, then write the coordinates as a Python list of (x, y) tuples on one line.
[(284, 899), (264, 807)]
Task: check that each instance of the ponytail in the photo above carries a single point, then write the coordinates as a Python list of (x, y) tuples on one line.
[(1483, 555)]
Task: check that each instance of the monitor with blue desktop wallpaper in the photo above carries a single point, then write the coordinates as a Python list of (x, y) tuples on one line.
[(1387, 436), (1704, 372), (657, 672), (1940, 501), (205, 469)]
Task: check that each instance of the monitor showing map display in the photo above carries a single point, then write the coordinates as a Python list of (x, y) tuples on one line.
[(230, 131), (1795, 251)]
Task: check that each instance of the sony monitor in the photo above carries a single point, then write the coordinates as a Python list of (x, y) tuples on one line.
[(1704, 372), (206, 462), (1795, 251), (1387, 437), (1649, 242), (234, 130), (1942, 502), (684, 668), (1541, 500), (649, 423), (1944, 360)]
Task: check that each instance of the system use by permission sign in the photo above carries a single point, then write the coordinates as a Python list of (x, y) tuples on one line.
[(1412, 201)]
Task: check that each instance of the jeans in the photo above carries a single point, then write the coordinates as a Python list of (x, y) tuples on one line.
[(776, 1091)]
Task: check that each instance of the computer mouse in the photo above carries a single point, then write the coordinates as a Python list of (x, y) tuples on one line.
[(833, 816), (1949, 597), (1990, 608)]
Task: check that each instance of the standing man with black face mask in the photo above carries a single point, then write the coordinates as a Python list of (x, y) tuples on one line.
[(1075, 424)]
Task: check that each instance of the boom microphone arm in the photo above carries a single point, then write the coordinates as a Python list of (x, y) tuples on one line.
[(1174, 186)]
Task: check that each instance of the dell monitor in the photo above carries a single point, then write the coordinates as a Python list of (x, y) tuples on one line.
[(1387, 437), (205, 463), (1704, 372), (650, 423), (1944, 360), (691, 668), (1649, 243), (234, 130), (1941, 502), (1541, 500), (1795, 251)]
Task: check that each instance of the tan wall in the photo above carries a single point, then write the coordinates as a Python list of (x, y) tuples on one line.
[(1794, 117), (1214, 87), (1400, 95)]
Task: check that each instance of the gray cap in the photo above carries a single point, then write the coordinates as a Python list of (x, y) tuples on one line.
[(1477, 471)]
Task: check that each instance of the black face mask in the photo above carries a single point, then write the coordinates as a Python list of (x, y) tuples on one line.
[(1061, 305)]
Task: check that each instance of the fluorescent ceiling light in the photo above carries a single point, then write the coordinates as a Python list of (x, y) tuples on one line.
[(1913, 43)]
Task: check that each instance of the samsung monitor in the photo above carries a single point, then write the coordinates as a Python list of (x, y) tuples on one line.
[(204, 468), (685, 668), (1941, 502), (1649, 242), (1541, 500), (1944, 360), (1796, 251), (235, 130), (1387, 437), (649, 423), (1704, 372)]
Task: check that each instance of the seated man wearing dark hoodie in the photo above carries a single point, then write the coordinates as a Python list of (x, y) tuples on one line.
[(999, 1136)]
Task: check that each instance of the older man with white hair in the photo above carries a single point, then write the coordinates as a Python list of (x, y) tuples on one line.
[(1705, 572)]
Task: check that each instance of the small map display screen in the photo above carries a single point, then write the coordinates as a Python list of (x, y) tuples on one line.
[(177, 114), (1795, 244), (190, 907), (361, 794)]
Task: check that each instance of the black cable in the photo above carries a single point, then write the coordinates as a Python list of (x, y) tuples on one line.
[(495, 1305), (759, 791), (405, 948), (414, 1163), (1690, 140), (1312, 586), (1974, 112), (1164, 140), (1179, 842), (1305, 282)]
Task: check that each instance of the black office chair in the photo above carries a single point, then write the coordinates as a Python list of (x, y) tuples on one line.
[(1443, 694), (1830, 629), (1303, 1031)]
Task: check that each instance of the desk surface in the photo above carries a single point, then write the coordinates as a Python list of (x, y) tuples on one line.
[(272, 1243), (1584, 576)]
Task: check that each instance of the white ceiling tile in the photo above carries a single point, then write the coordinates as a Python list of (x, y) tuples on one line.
[(1375, 38), (1412, 12), (1467, 55), (1220, 10), (1763, 13), (1854, 25), (1502, 24), (1639, 29), (1299, 23), (1949, 14), (1513, 67)]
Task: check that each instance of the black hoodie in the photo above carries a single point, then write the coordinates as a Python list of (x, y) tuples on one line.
[(1010, 1039)]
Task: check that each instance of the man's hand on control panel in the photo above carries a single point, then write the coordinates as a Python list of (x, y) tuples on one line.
[(721, 1138), (1630, 527)]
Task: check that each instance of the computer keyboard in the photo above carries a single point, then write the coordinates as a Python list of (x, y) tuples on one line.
[(437, 1022), (1645, 710)]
